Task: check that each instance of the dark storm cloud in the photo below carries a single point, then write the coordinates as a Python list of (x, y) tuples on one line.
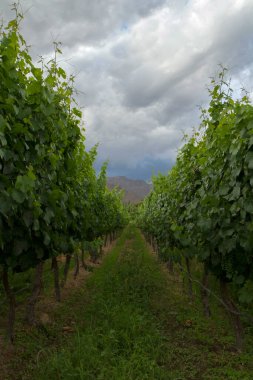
[(147, 168), (142, 67)]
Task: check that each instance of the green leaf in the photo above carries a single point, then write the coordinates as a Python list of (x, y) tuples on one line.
[(25, 183), (3, 139), (2, 153), (249, 159), (18, 196), (28, 218), (47, 238), (248, 205), (19, 247), (5, 205), (49, 214), (36, 225)]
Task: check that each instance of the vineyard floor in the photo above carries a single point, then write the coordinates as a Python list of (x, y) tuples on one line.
[(130, 320)]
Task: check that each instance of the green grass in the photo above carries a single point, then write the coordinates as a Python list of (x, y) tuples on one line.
[(135, 327), (131, 322), (120, 338)]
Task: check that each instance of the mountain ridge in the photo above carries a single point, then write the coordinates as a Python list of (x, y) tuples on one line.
[(135, 190)]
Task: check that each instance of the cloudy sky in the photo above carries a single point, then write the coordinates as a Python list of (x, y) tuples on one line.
[(142, 67)]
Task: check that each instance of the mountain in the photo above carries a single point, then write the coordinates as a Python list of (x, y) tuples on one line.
[(134, 190)]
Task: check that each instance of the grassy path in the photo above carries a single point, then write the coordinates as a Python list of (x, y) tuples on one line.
[(120, 338), (133, 323)]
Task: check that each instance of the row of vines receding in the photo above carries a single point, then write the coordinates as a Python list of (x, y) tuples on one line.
[(203, 209), (52, 202)]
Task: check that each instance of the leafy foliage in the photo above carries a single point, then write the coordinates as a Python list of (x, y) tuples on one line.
[(51, 200), (204, 206)]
